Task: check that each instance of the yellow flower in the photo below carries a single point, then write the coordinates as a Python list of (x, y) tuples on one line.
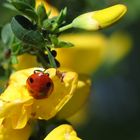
[(17, 105), (86, 55), (7, 132), (62, 132), (48, 7), (79, 98), (99, 19)]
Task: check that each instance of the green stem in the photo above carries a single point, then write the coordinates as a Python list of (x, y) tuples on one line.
[(65, 27), (43, 61), (51, 58)]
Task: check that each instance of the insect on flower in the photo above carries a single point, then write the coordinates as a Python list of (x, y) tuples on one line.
[(39, 85)]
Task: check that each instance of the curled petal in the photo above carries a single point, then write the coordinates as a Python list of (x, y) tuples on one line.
[(7, 132), (78, 99)]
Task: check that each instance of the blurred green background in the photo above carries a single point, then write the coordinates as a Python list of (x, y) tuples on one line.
[(115, 104)]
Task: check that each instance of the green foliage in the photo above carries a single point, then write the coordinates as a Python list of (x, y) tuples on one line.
[(7, 35), (41, 12), (32, 32), (25, 31), (26, 7)]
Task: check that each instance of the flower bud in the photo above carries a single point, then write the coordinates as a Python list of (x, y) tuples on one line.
[(99, 19)]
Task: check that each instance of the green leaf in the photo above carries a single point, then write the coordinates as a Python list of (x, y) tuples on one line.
[(16, 48), (51, 59), (61, 16), (47, 24), (54, 39), (25, 31), (7, 35), (14, 59), (30, 2), (25, 8), (9, 6), (41, 12), (63, 44), (31, 14), (21, 5)]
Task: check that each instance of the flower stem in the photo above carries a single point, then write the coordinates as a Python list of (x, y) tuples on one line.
[(43, 61), (51, 58), (65, 27)]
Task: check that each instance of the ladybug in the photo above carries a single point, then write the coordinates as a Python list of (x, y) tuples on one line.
[(39, 85)]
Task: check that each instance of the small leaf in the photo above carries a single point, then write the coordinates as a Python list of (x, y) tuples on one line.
[(54, 39), (51, 59), (63, 44), (16, 48), (25, 8), (41, 12), (47, 24), (25, 31), (9, 6), (61, 16), (30, 2), (31, 14), (7, 35), (14, 59), (21, 5)]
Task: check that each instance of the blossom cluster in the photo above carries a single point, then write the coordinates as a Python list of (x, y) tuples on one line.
[(19, 110)]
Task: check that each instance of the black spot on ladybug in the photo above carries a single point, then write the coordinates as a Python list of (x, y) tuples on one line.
[(48, 85), (31, 80)]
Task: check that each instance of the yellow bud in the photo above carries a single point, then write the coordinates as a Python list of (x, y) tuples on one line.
[(62, 132), (99, 19)]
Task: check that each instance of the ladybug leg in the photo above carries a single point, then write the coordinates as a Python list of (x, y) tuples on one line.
[(47, 73)]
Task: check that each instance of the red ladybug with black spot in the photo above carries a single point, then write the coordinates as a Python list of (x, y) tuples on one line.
[(40, 85)]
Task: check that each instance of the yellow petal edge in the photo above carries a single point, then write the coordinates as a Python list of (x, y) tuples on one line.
[(62, 132)]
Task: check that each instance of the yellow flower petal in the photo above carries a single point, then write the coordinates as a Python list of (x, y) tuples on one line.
[(7, 132), (78, 99), (62, 132), (48, 7), (87, 54), (99, 19), (17, 104)]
